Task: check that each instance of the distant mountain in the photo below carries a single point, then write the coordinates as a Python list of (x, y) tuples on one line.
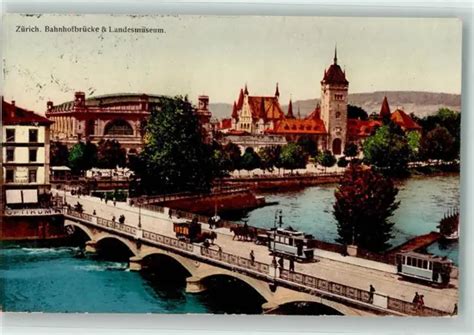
[(420, 103)]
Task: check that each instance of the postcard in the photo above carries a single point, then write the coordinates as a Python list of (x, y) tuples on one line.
[(231, 164)]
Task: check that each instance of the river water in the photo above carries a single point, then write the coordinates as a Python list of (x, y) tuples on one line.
[(54, 280)]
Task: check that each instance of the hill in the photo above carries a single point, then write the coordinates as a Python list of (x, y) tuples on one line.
[(420, 103)]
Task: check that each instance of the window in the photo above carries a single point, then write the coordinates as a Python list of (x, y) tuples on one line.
[(118, 127), (32, 176), (10, 135), (409, 261), (430, 265), (338, 115), (425, 265), (10, 154), (10, 176), (33, 135), (33, 155), (338, 97)]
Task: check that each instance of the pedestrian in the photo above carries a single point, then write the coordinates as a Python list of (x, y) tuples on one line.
[(371, 293), (252, 257), (421, 302), (416, 298), (292, 265), (274, 262), (94, 213), (115, 201), (281, 262), (113, 218)]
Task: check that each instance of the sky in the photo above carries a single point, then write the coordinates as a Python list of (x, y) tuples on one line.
[(218, 55)]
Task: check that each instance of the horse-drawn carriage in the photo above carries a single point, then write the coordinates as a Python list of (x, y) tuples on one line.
[(187, 230), (289, 242)]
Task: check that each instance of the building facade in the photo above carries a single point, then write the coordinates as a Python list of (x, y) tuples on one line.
[(328, 125), (116, 116), (25, 156)]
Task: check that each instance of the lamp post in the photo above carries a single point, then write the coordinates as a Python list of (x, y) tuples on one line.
[(139, 214)]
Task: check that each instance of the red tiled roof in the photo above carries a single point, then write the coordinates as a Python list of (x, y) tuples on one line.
[(316, 114), (13, 115), (289, 114), (361, 128), (240, 102), (334, 75), (266, 106), (404, 120), (385, 109), (225, 124), (235, 115), (299, 126)]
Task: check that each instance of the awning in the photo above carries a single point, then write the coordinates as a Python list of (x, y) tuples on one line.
[(30, 196), (13, 196)]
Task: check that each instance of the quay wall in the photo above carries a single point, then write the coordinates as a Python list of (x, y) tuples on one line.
[(279, 183)]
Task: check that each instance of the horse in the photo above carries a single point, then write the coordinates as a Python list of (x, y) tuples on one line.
[(243, 233), (210, 236)]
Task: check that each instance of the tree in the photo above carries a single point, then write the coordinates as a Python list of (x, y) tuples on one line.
[(438, 144), (83, 156), (356, 112), (270, 157), (58, 153), (388, 150), (365, 200), (110, 154), (231, 156), (292, 157), (326, 159), (250, 160), (175, 156), (308, 145), (351, 150), (449, 119), (342, 162), (414, 138)]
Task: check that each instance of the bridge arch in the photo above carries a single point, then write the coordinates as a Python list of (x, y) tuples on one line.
[(184, 263), (127, 245), (260, 287), (309, 307), (83, 228)]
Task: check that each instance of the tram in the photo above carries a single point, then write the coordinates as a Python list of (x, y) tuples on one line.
[(429, 268), (187, 230), (289, 242)]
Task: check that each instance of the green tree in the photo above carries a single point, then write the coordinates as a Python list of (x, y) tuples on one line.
[(231, 156), (438, 144), (351, 150), (270, 157), (326, 159), (308, 145), (365, 200), (83, 156), (58, 153), (342, 162), (388, 150), (175, 156), (292, 157), (250, 160), (414, 139), (110, 154)]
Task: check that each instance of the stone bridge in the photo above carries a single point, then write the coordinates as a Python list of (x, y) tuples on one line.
[(276, 287)]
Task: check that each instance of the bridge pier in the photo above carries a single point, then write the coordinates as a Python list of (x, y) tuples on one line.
[(135, 263), (269, 306), (91, 247), (194, 285)]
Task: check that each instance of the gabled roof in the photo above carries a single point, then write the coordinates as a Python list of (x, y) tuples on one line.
[(225, 124), (265, 106), (361, 128), (299, 126), (404, 121), (315, 114), (13, 115)]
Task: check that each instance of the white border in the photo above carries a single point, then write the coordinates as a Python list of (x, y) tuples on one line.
[(38, 323)]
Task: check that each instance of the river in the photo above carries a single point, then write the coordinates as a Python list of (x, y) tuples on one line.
[(54, 280)]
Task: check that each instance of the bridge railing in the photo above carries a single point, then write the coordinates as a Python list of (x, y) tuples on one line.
[(235, 260), (390, 303), (103, 222), (169, 241)]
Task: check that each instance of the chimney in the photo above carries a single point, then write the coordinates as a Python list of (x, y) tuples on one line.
[(49, 106), (13, 103), (13, 110)]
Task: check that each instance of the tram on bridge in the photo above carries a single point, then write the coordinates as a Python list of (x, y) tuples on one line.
[(289, 242), (425, 267)]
